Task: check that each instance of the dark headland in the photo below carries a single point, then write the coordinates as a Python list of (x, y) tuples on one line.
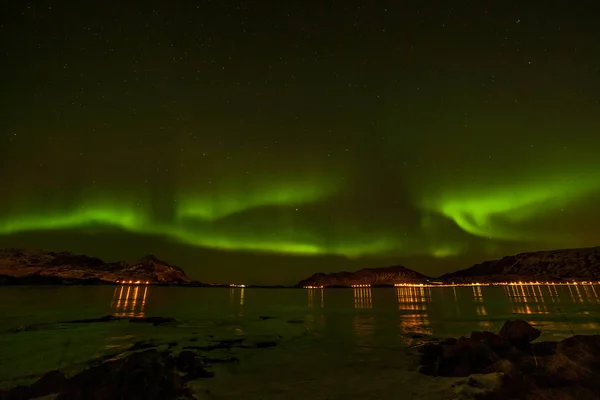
[(19, 266), (549, 266)]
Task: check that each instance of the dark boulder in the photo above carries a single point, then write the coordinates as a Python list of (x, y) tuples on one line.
[(567, 370), (146, 375), (430, 352), (518, 332), (262, 345), (542, 349), (189, 363), (466, 357), (50, 383), (154, 320)]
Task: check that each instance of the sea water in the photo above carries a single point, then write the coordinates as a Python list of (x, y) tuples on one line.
[(331, 343)]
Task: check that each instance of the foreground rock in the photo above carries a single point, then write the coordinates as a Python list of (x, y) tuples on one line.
[(145, 375), (39, 267), (553, 265), (367, 276), (569, 369)]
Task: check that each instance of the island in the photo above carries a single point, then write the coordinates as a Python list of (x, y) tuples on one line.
[(386, 276), (18, 266)]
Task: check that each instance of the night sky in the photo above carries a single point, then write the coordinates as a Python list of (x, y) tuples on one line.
[(263, 141)]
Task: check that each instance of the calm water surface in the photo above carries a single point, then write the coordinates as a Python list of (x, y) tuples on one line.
[(334, 342)]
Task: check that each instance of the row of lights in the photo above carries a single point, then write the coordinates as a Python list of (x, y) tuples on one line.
[(473, 284), (236, 285), (134, 282)]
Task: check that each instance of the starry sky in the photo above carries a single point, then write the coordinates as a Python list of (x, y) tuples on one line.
[(263, 141)]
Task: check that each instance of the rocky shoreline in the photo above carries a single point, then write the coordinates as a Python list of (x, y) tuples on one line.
[(145, 370), (516, 366), (509, 364)]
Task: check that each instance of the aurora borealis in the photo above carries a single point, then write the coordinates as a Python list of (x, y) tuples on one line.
[(263, 141)]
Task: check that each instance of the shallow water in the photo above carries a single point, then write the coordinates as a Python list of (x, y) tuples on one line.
[(333, 343)]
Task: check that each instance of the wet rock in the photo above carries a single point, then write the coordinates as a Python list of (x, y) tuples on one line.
[(186, 361), (477, 385), (154, 320), (106, 318), (51, 382), (449, 341), (418, 336), (466, 357), (569, 369), (210, 360), (221, 344), (141, 345), (230, 342), (430, 352), (519, 332), (262, 345), (145, 375), (543, 349), (193, 367)]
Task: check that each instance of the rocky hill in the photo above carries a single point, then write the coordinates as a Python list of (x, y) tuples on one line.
[(367, 276), (555, 265), (41, 266)]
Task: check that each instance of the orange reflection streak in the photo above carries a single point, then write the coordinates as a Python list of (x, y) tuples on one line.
[(315, 296), (114, 296), (231, 296), (120, 297), (415, 300), (478, 298), (571, 292), (528, 299), (130, 303), (595, 295), (134, 300), (579, 294), (144, 298), (234, 292), (362, 297)]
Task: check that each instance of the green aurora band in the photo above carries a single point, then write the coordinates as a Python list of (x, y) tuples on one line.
[(502, 211), (223, 204), (197, 223), (226, 220)]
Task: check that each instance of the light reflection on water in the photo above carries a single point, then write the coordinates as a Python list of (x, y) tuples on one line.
[(129, 300), (363, 297), (426, 310), (366, 321)]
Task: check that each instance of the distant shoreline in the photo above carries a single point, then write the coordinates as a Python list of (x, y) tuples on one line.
[(555, 267), (39, 280)]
